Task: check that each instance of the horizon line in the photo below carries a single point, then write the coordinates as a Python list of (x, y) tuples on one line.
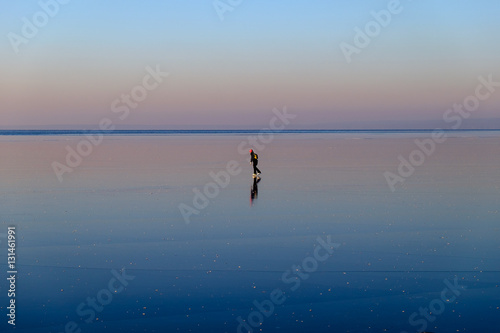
[(6, 132)]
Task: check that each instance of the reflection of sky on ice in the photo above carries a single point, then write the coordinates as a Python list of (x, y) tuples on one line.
[(3, 237), (119, 209)]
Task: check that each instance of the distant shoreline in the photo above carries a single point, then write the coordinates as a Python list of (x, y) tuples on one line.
[(210, 132)]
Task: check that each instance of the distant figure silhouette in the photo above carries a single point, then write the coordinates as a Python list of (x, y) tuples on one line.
[(254, 190), (254, 160)]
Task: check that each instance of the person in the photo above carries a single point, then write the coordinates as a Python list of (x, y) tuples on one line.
[(254, 160)]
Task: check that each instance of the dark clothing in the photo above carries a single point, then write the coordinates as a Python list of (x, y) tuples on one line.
[(253, 157), (255, 169), (254, 160)]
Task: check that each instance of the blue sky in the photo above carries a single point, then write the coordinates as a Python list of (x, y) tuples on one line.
[(232, 73)]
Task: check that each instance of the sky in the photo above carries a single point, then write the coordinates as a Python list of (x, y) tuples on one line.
[(230, 67)]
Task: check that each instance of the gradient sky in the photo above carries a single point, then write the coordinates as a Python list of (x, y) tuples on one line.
[(232, 73)]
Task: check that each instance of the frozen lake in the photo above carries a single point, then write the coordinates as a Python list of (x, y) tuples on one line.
[(321, 243)]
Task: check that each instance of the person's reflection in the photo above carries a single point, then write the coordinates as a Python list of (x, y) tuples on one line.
[(254, 190)]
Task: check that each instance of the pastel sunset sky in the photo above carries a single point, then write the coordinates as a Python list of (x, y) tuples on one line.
[(231, 73)]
